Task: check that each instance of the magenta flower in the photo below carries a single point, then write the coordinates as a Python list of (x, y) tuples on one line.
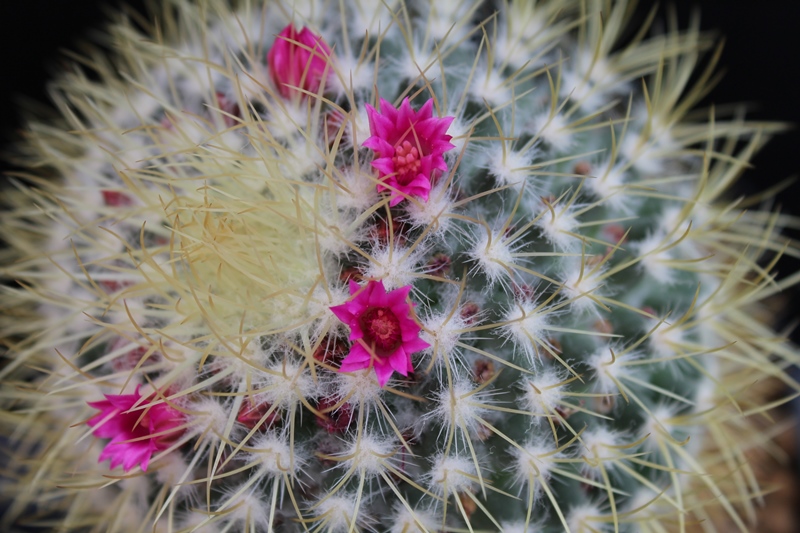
[(297, 60), (383, 329), (135, 435), (408, 145)]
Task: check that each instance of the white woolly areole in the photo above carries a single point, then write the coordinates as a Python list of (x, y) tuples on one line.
[(138, 486), (338, 512), (665, 339), (129, 510), (459, 129), (674, 219), (452, 474), (238, 367), (302, 158), (581, 517), (360, 387), (422, 61), (488, 84), (519, 45), (524, 325), (434, 212), (556, 225), (320, 303), (579, 90), (654, 258), (608, 184), (287, 382), (336, 229), (356, 188), (648, 502), (172, 469), (196, 523), (526, 29), (394, 266), (443, 332), (493, 255), (598, 439), (274, 455), (413, 521), (372, 16), (369, 454), (209, 414), (408, 419), (245, 503), (508, 166), (543, 393), (590, 91), (605, 371), (658, 421), (448, 18), (648, 157), (129, 111), (707, 395), (553, 130), (534, 462), (311, 12), (601, 68), (351, 74), (578, 285), (251, 508), (458, 406), (521, 527)]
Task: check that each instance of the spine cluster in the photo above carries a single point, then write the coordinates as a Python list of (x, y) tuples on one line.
[(388, 266)]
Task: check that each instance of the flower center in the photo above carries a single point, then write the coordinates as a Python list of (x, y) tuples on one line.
[(381, 330), (406, 162)]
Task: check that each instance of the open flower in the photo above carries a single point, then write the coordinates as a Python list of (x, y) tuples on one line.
[(408, 145), (135, 435), (297, 60), (383, 329)]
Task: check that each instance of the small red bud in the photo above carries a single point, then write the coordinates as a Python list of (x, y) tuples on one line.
[(252, 411), (336, 420)]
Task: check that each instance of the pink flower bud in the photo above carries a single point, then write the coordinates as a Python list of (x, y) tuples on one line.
[(297, 60)]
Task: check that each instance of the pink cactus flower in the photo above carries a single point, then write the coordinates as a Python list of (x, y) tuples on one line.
[(408, 148), (383, 329), (135, 435), (297, 60)]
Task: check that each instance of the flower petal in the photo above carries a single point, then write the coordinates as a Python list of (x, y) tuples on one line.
[(399, 361), (131, 432), (384, 372)]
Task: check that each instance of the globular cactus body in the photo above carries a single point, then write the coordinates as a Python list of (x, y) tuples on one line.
[(387, 266)]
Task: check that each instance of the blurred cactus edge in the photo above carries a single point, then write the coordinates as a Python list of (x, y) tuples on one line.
[(390, 266)]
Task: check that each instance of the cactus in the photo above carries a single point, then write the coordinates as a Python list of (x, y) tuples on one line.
[(387, 266)]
